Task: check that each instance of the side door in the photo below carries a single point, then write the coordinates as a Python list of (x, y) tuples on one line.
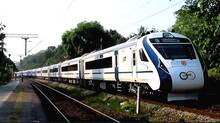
[(116, 65), (81, 69), (134, 64)]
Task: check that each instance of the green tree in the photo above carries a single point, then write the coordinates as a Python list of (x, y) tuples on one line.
[(6, 65), (86, 37), (2, 36), (200, 21), (57, 56), (142, 31), (51, 55), (115, 36)]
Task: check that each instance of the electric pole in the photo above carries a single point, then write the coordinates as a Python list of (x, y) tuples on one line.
[(22, 36), (25, 44)]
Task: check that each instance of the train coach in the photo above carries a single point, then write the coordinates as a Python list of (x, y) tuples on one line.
[(69, 70), (161, 62)]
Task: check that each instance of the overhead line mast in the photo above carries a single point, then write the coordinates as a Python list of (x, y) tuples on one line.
[(22, 36)]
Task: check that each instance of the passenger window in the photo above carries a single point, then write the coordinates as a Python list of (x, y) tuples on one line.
[(143, 57), (134, 58), (99, 63)]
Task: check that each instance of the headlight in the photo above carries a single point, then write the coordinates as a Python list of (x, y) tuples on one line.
[(163, 67)]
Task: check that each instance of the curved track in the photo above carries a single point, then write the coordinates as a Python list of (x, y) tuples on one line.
[(70, 109)]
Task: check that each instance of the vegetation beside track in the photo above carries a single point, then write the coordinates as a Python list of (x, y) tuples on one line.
[(123, 108), (6, 65)]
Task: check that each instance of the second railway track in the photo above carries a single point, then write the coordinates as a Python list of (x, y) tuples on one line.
[(68, 108)]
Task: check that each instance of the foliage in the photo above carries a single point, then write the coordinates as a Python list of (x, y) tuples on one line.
[(87, 37), (83, 39), (200, 21), (57, 55), (142, 31), (6, 65), (2, 36), (214, 73), (115, 36), (6, 68), (128, 106), (50, 56)]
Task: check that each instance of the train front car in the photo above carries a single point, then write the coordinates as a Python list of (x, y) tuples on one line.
[(177, 64)]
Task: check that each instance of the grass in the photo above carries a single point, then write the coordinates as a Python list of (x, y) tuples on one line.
[(102, 100), (116, 103), (125, 108)]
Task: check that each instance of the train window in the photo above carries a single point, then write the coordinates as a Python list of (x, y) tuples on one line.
[(124, 58), (70, 68), (143, 57), (44, 71), (176, 51), (100, 63), (134, 58), (54, 70)]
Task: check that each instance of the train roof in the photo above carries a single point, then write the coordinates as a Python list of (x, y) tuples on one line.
[(130, 42), (165, 34), (113, 48), (70, 60), (133, 41)]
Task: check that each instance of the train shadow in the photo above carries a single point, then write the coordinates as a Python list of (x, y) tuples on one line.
[(208, 97), (211, 93)]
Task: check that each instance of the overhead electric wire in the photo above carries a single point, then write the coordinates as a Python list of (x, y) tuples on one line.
[(154, 14), (133, 11), (70, 4), (34, 46), (21, 35)]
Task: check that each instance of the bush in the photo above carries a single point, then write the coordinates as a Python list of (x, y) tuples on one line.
[(128, 106), (5, 76), (214, 73)]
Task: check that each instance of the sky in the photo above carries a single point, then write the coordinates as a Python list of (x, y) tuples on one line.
[(49, 19)]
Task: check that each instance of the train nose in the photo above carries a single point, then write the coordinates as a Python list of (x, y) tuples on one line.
[(186, 79)]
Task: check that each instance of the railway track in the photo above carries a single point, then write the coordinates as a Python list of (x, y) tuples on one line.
[(63, 108), (207, 107)]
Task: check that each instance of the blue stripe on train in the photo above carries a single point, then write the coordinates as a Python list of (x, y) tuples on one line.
[(165, 78)]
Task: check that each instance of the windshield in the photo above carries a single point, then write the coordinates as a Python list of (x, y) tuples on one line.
[(176, 51)]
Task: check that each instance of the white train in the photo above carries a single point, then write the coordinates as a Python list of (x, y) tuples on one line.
[(162, 62)]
